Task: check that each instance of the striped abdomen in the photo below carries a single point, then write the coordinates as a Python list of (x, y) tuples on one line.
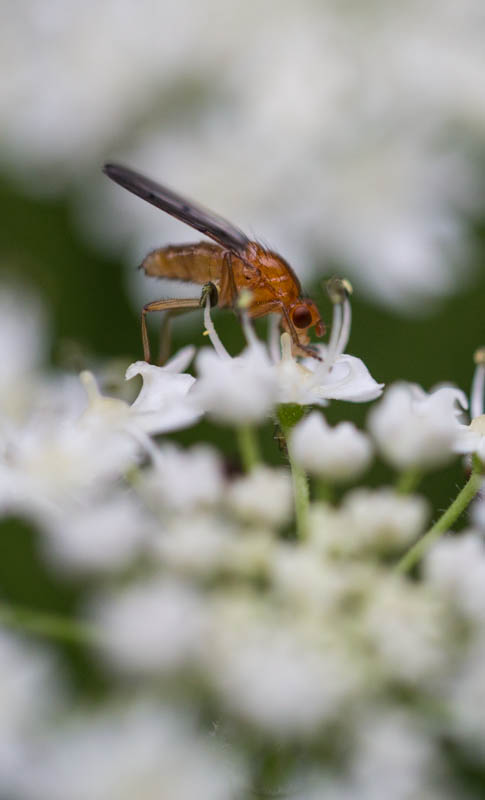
[(198, 263)]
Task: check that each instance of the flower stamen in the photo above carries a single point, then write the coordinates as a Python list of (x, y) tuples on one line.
[(478, 384), (212, 333)]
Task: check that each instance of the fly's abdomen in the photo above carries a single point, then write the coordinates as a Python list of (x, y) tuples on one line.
[(197, 263)]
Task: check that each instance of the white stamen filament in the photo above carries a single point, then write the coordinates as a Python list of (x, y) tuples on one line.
[(209, 326), (286, 347), (274, 338), (339, 336), (334, 335), (90, 386), (248, 329), (344, 335), (477, 392)]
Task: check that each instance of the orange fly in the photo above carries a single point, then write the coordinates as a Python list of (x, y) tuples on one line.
[(226, 267)]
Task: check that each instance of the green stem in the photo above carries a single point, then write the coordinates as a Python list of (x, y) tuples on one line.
[(248, 447), (50, 626), (289, 414), (301, 495), (408, 480), (443, 524)]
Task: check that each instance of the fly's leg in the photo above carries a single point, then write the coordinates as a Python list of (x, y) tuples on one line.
[(227, 260), (165, 338), (208, 290), (172, 305)]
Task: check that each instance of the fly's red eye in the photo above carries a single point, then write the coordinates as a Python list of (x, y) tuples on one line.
[(302, 317)]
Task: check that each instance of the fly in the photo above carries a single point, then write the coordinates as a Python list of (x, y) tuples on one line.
[(225, 267)]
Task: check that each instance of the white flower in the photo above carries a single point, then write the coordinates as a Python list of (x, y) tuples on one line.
[(369, 522), (406, 625), (305, 577), (466, 700), (30, 690), (150, 752), (286, 678), (456, 565), (415, 429), (199, 544), (471, 438), (383, 518), (264, 496), (393, 749), (246, 389), (336, 454), (48, 465), (181, 480), (100, 535), (162, 405), (338, 376), (478, 513), (150, 626), (23, 344), (237, 390)]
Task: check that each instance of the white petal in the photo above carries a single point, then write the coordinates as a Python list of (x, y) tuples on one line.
[(162, 404), (349, 379), (468, 441), (181, 360)]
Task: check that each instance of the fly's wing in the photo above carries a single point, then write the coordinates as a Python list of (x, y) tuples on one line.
[(194, 215)]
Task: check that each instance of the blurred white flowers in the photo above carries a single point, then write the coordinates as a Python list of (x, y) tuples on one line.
[(182, 480), (263, 496), (457, 567), (195, 589), (337, 454), (30, 693), (415, 429), (369, 521), (139, 751), (155, 625)]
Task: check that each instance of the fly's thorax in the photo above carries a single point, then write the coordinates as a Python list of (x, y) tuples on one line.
[(269, 274)]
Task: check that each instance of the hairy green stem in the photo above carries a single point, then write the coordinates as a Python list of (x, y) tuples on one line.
[(50, 626), (248, 447), (443, 524), (288, 415)]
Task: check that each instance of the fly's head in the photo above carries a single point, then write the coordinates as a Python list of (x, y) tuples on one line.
[(304, 315)]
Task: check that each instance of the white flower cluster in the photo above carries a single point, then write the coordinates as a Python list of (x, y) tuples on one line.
[(239, 657)]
